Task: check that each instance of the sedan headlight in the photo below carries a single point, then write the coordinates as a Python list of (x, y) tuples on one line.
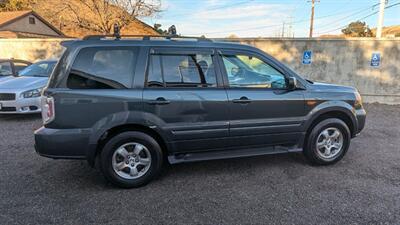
[(32, 93)]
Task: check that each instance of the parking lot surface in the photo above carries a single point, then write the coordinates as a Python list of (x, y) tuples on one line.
[(363, 188)]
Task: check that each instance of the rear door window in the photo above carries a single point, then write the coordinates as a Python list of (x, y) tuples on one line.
[(192, 70), (103, 68)]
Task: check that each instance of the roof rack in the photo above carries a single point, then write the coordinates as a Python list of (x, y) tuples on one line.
[(117, 35), (144, 37)]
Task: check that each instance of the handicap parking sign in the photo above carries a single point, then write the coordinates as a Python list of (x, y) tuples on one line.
[(307, 56), (376, 59)]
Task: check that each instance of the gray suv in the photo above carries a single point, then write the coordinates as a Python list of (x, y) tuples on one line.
[(132, 105)]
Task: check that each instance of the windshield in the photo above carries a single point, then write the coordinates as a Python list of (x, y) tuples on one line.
[(40, 69)]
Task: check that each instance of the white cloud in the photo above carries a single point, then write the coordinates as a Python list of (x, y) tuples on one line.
[(243, 12), (245, 19)]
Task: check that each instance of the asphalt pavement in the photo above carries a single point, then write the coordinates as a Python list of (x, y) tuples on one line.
[(363, 188)]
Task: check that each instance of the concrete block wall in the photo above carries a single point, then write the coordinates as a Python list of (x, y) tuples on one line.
[(340, 61), (31, 49)]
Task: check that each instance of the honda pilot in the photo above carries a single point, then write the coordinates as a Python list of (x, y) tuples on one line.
[(132, 105)]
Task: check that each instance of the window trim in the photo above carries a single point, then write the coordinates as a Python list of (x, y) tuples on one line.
[(261, 57), (183, 52)]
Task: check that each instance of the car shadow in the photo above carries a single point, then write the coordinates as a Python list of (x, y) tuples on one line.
[(219, 168)]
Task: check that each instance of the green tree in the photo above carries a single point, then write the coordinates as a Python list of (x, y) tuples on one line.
[(357, 29)]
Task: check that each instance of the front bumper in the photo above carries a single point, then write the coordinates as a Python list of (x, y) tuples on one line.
[(20, 106), (62, 143), (361, 116)]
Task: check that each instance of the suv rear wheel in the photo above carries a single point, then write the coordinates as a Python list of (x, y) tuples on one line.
[(131, 159), (327, 142)]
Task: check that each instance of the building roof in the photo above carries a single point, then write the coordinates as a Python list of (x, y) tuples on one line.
[(10, 17)]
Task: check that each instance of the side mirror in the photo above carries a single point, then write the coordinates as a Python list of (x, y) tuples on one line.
[(292, 83)]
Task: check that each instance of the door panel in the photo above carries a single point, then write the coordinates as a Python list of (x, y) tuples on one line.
[(193, 118), (182, 91), (262, 110), (270, 117)]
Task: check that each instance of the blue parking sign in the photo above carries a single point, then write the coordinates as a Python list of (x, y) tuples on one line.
[(307, 56), (376, 59)]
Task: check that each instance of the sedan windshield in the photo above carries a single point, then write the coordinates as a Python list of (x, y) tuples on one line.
[(40, 69)]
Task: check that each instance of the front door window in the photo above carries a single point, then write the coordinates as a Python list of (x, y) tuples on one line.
[(249, 71)]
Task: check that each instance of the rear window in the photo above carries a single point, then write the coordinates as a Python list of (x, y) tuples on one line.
[(103, 68)]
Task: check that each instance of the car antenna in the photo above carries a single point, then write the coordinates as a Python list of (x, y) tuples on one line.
[(117, 33)]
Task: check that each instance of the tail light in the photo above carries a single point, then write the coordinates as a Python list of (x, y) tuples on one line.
[(48, 113)]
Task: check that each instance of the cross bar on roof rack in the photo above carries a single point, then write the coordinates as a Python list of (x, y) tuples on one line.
[(144, 37)]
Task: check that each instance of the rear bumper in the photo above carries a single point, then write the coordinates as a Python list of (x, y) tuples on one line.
[(21, 106), (62, 143)]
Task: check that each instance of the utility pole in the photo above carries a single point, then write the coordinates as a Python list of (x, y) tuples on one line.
[(380, 18), (312, 17)]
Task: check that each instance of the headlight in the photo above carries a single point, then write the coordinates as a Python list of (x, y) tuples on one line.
[(32, 93)]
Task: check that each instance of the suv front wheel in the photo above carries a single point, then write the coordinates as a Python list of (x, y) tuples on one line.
[(131, 159), (327, 142)]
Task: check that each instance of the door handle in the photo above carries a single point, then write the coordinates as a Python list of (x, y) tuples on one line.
[(159, 101), (242, 100)]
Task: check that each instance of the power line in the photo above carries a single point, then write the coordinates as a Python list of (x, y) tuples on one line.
[(338, 20), (369, 15), (279, 25)]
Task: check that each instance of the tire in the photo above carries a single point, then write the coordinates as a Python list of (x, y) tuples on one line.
[(131, 159), (319, 150)]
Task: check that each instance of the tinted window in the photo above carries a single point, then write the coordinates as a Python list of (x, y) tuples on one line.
[(5, 69), (39, 69), (249, 71), (195, 70), (103, 68)]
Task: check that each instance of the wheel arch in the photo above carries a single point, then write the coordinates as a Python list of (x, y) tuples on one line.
[(108, 134)]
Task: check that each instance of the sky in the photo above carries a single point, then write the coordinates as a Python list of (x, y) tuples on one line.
[(267, 18)]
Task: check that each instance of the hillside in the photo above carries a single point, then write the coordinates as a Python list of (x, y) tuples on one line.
[(60, 16), (391, 31)]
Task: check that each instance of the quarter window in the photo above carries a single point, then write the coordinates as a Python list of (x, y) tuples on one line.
[(250, 71), (195, 70), (103, 68)]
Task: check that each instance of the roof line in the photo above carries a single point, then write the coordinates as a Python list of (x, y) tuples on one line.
[(16, 18)]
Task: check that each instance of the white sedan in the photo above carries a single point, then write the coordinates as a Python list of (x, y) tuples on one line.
[(21, 94)]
